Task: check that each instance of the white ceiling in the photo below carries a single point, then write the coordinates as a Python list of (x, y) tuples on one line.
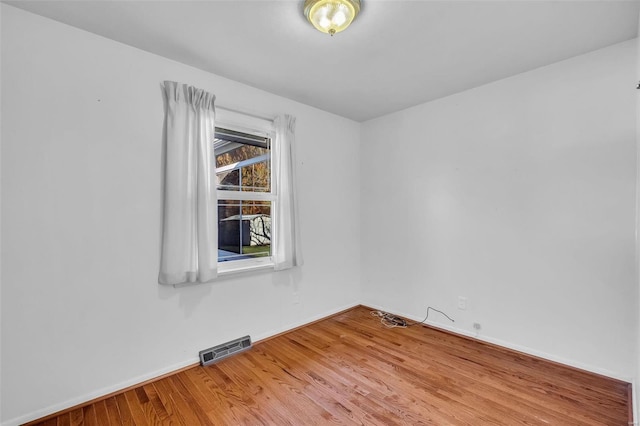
[(395, 55)]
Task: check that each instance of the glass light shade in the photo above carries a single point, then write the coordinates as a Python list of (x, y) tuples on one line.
[(331, 16)]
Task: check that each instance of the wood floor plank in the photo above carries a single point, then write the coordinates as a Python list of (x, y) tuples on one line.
[(453, 364), (113, 411), (141, 409), (125, 412), (207, 395), (190, 412), (64, 420), (238, 405), (349, 369), (261, 391), (285, 386), (102, 414), (353, 387), (387, 370), (76, 417), (89, 415), (156, 402), (218, 406), (311, 387)]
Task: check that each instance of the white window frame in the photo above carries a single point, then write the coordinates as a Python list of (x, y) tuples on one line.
[(236, 121)]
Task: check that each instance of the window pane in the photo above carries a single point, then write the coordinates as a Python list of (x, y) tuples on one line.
[(244, 229), (243, 162)]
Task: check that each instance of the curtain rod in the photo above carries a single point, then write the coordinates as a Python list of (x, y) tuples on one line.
[(261, 117)]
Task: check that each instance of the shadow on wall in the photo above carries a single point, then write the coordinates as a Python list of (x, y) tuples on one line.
[(190, 295), (288, 278)]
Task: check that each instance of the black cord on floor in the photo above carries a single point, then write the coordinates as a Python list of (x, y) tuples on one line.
[(425, 318), (392, 321), (389, 320)]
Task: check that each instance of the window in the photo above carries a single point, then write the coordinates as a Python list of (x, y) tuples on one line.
[(242, 150)]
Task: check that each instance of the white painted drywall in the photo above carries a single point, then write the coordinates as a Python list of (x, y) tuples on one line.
[(636, 383), (520, 196), (82, 312), (1, 364)]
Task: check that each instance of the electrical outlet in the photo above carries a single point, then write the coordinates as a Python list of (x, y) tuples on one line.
[(462, 303), (477, 326), (296, 299)]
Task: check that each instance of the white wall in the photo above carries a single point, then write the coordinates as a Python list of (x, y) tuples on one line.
[(636, 383), (82, 312), (520, 196), (1, 303)]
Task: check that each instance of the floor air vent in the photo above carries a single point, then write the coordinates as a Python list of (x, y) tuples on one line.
[(215, 354)]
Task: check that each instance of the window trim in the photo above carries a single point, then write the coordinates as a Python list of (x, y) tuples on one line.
[(261, 128), (231, 267)]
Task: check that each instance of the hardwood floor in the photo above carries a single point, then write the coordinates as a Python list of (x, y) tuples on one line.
[(350, 369)]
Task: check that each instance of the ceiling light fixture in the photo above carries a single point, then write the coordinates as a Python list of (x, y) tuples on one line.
[(331, 16)]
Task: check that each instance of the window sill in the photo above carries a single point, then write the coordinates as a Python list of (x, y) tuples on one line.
[(246, 265)]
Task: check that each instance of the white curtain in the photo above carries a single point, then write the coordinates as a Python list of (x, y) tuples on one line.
[(190, 225), (287, 253)]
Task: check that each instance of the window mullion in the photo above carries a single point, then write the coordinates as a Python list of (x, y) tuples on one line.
[(241, 195)]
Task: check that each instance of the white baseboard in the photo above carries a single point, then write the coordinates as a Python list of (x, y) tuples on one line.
[(97, 394), (150, 376), (509, 345), (306, 321)]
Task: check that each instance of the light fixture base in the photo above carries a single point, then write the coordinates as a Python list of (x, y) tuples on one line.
[(331, 16)]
